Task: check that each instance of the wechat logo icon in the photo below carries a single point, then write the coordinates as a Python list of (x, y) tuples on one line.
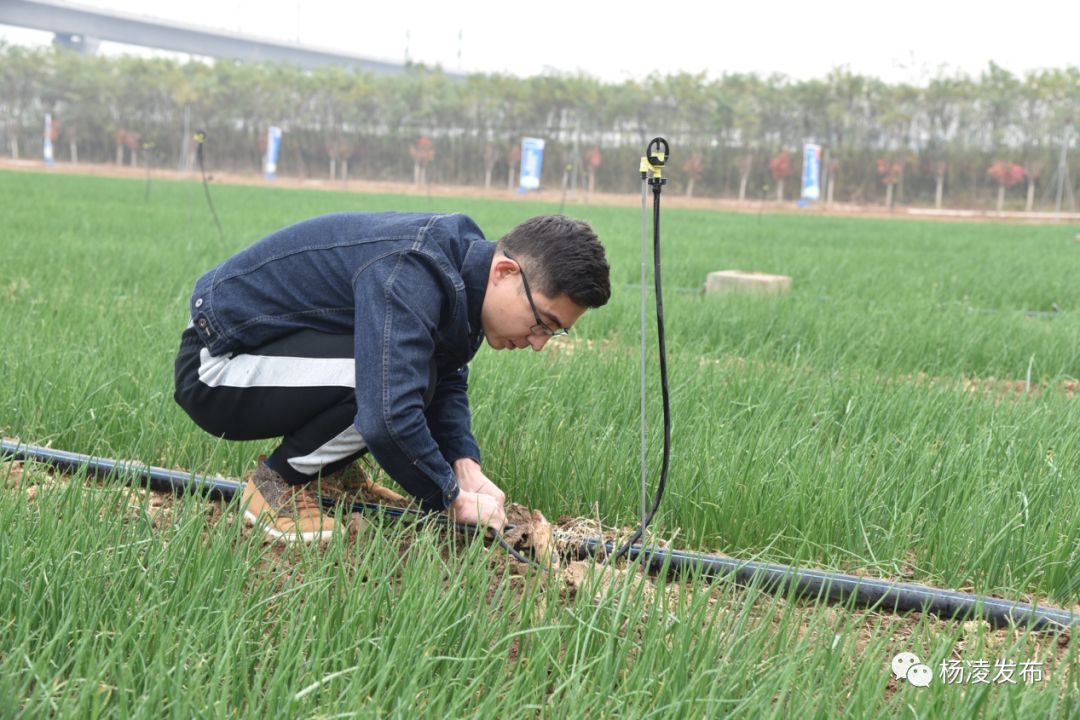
[(907, 666)]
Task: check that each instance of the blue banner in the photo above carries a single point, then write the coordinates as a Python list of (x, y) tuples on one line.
[(811, 172), (273, 145), (48, 151), (532, 161)]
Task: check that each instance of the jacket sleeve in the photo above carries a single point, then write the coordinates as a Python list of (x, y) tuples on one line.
[(449, 417), (399, 301)]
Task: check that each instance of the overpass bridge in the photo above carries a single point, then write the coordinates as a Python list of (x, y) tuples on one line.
[(83, 28)]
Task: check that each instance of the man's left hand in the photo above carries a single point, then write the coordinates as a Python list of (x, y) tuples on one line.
[(472, 479)]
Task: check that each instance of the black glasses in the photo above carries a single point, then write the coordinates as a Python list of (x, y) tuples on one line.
[(540, 328)]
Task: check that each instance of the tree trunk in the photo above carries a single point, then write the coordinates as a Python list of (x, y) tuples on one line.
[(333, 169), (298, 155), (119, 154), (939, 192), (416, 173), (888, 196), (510, 178), (134, 157), (743, 179), (73, 148), (487, 177), (14, 146), (592, 180), (829, 192), (345, 170), (1031, 196), (780, 190), (1001, 196), (690, 188)]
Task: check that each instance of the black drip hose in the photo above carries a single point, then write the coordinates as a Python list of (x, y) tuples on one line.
[(200, 138), (881, 595)]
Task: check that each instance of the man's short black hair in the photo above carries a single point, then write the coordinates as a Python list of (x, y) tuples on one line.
[(561, 256)]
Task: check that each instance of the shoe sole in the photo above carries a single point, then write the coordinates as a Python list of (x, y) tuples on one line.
[(287, 537)]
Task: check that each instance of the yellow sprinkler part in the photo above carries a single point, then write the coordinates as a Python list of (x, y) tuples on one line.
[(655, 159)]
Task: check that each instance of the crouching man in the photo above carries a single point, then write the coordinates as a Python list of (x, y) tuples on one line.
[(352, 332)]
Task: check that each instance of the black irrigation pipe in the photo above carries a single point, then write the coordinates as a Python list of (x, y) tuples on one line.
[(883, 595), (218, 487), (774, 578)]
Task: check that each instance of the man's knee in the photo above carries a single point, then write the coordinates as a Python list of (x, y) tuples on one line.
[(188, 391), (187, 397)]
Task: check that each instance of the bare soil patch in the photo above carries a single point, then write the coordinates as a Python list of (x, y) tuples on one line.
[(989, 387)]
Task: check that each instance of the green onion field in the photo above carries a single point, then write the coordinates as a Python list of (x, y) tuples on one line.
[(909, 411)]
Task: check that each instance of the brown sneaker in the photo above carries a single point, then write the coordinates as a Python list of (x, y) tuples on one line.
[(354, 480), (287, 513)]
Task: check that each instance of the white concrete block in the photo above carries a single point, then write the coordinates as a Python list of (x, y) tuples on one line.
[(724, 281)]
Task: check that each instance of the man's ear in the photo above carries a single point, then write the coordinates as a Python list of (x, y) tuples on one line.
[(503, 269)]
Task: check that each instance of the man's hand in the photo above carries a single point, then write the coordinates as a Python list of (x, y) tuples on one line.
[(477, 509), (472, 479)]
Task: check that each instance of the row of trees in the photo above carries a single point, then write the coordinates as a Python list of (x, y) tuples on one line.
[(934, 141)]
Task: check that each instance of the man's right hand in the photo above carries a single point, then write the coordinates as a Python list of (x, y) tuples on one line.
[(477, 509)]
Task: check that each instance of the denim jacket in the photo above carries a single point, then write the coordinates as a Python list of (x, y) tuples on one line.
[(408, 287)]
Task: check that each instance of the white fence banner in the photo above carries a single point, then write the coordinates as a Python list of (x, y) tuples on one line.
[(811, 172), (273, 145), (48, 148), (532, 161)]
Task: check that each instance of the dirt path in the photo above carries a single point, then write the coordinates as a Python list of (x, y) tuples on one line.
[(551, 196)]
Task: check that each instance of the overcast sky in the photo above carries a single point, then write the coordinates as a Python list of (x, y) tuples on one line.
[(907, 41)]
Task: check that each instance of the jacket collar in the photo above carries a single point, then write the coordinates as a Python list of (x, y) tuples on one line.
[(475, 271)]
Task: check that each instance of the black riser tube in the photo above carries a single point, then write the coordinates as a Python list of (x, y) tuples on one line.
[(773, 578)]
